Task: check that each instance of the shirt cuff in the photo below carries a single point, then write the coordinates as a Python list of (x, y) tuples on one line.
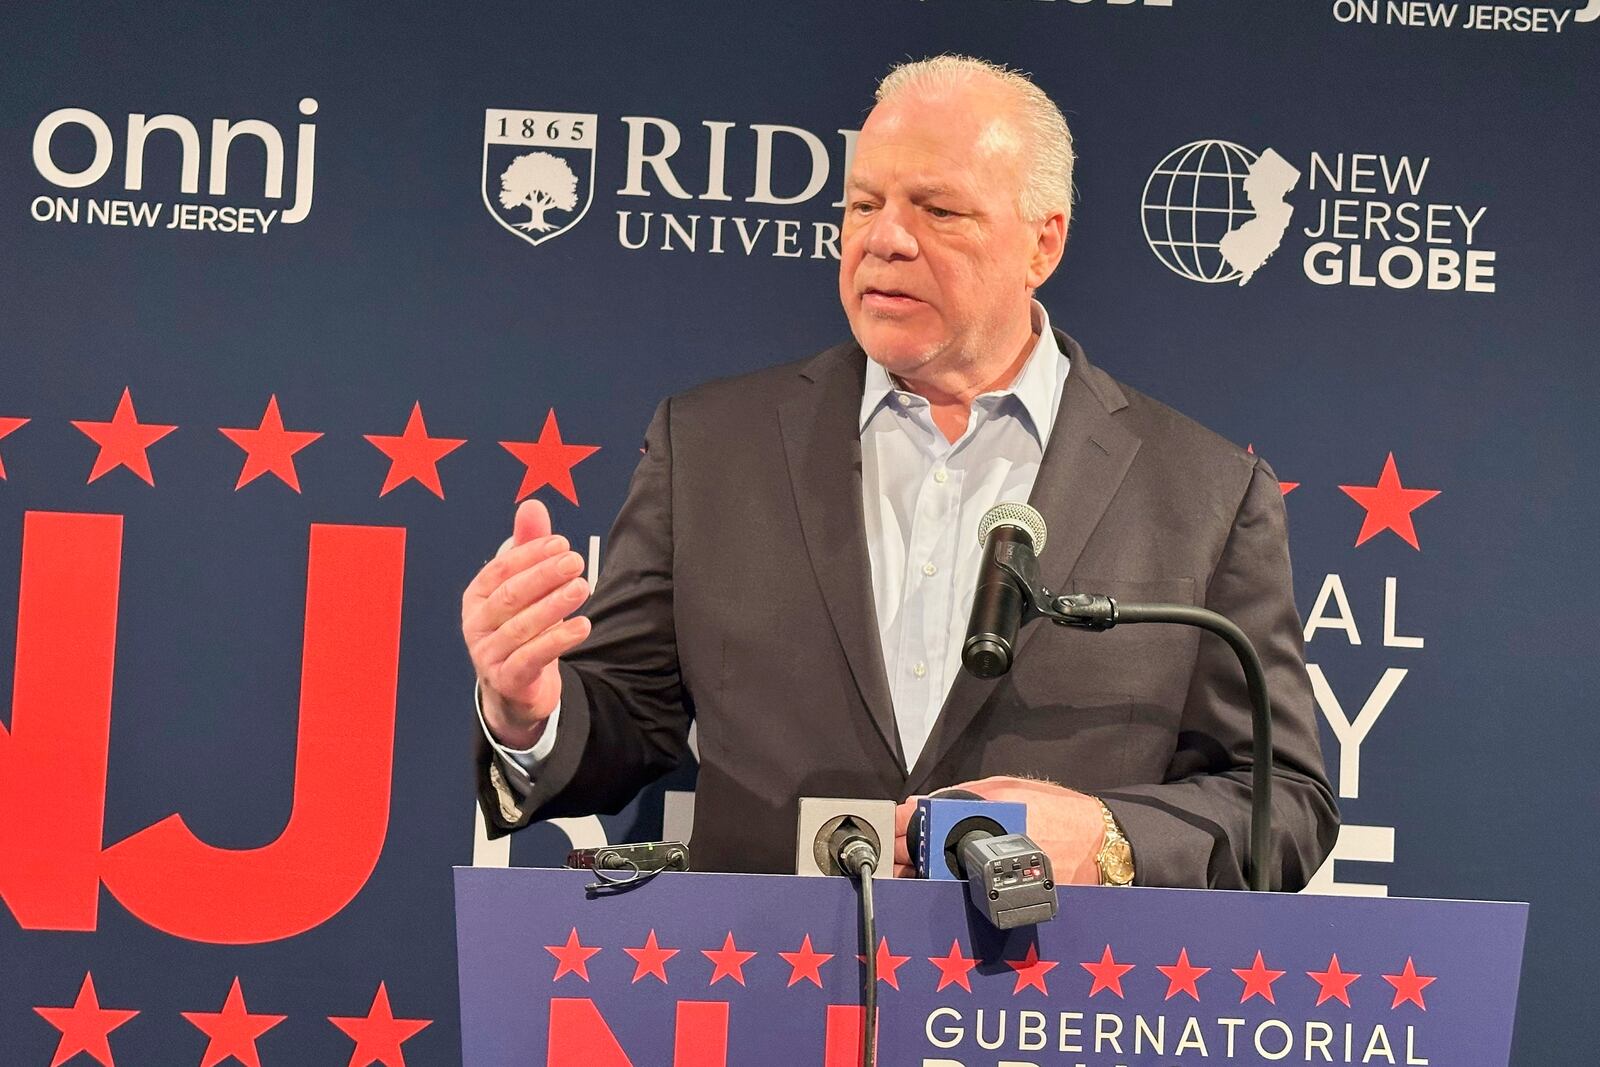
[(528, 760)]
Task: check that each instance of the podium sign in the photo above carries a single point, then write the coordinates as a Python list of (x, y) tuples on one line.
[(703, 970)]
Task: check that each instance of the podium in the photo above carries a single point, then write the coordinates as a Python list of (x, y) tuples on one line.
[(709, 970)]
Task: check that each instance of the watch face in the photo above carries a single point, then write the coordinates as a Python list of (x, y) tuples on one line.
[(1117, 863)]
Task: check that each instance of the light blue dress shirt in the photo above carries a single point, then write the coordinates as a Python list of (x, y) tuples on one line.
[(922, 496)]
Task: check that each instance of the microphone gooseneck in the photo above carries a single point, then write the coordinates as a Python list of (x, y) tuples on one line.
[(1010, 594)]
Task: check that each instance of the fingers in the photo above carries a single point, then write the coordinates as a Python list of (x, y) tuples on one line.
[(903, 813), (506, 565), (530, 525), (520, 670), (528, 586), (992, 788), (532, 522), (1022, 790), (500, 637)]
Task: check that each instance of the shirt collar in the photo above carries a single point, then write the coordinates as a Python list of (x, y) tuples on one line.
[(1036, 386)]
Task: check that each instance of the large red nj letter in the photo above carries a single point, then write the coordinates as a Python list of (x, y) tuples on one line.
[(581, 1037), (53, 761)]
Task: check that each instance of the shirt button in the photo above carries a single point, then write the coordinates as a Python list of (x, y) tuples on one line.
[(941, 476), (903, 400), (920, 669), (929, 569)]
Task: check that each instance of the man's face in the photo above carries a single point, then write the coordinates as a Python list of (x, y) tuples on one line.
[(936, 262)]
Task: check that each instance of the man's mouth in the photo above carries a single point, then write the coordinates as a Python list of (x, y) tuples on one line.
[(887, 296)]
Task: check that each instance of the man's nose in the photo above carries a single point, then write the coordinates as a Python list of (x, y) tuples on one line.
[(889, 235)]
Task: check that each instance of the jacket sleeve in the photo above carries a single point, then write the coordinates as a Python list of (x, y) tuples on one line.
[(1193, 829), (624, 712)]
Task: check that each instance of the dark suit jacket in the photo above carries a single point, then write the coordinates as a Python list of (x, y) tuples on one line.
[(736, 591)]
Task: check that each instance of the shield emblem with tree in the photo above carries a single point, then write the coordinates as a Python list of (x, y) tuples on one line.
[(538, 170)]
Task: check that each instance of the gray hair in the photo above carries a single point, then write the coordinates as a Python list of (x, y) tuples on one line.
[(1045, 142)]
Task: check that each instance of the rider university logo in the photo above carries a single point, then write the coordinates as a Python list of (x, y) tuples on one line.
[(1214, 211), (538, 170)]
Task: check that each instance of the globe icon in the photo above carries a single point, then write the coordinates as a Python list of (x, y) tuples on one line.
[(1193, 198)]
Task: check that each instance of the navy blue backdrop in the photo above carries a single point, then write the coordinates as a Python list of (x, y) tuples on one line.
[(1431, 301)]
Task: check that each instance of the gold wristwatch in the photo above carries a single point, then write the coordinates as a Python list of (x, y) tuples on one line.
[(1115, 858)]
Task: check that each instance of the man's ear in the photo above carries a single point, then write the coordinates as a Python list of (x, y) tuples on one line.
[(1049, 242)]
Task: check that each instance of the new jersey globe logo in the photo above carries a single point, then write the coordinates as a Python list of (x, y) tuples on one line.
[(1214, 211)]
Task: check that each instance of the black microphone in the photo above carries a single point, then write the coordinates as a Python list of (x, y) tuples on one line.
[(1008, 530), (979, 825)]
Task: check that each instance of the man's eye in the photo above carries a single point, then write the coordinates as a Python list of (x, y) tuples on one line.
[(941, 213), (862, 207)]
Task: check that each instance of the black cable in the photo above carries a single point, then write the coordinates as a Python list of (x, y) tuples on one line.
[(1261, 861), (855, 850), (869, 931), (634, 877)]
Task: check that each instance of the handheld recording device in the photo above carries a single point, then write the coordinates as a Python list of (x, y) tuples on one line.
[(1009, 880), (957, 835)]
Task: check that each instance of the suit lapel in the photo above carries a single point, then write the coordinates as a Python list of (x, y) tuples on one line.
[(822, 445), (1087, 458), (1083, 468)]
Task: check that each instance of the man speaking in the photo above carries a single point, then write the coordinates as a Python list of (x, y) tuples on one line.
[(796, 559)]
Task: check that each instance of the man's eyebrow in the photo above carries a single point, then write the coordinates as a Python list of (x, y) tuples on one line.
[(923, 191)]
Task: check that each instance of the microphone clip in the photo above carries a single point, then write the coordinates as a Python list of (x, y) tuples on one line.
[(1083, 611)]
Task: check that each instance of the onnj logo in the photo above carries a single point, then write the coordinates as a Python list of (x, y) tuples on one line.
[(1504, 16), (538, 170), (75, 148), (1215, 211)]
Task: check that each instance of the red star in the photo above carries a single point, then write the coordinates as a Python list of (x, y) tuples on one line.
[(8, 426), (650, 958), (1334, 982), (549, 460), (414, 454), (1389, 505), (1257, 979), (572, 957), (888, 963), (806, 962), (233, 1030), (954, 969), (1031, 971), (1408, 985), (270, 448), (123, 440), (1107, 973), (1182, 976), (378, 1034), (729, 961), (86, 1026)]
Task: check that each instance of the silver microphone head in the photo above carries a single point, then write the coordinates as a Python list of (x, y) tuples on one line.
[(1010, 513)]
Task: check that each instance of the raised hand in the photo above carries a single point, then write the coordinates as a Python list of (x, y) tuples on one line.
[(514, 619)]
